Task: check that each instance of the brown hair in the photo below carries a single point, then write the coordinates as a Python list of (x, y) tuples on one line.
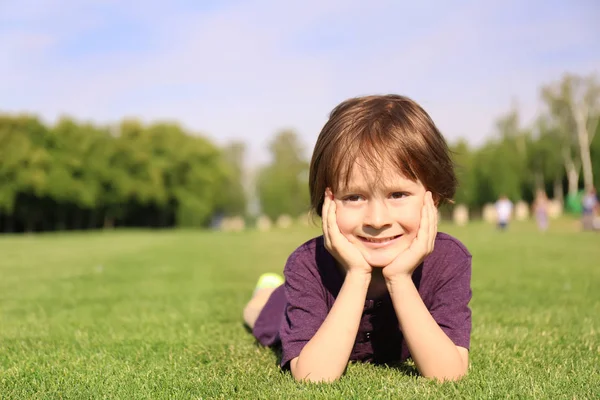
[(377, 129)]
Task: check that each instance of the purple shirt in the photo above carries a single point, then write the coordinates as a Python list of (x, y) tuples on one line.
[(296, 310)]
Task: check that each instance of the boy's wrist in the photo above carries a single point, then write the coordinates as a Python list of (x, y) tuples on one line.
[(398, 282), (355, 276)]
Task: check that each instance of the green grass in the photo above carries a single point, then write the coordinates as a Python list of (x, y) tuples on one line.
[(140, 314)]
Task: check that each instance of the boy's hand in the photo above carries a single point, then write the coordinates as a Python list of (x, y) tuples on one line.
[(422, 245), (336, 243)]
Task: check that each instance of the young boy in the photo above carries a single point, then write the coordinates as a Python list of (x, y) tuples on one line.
[(380, 285)]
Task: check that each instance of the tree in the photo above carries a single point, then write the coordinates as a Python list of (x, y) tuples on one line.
[(73, 184), (463, 158), (26, 163), (168, 172), (138, 152), (283, 184), (19, 163), (595, 155), (233, 199), (14, 151), (574, 103), (199, 175), (502, 163), (545, 159)]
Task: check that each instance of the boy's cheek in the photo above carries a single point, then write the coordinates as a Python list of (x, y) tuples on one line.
[(343, 219), (347, 233), (350, 238)]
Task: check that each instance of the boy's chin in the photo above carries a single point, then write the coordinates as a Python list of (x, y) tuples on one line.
[(380, 260)]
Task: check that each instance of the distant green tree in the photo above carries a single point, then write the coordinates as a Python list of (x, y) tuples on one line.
[(544, 156), (574, 105), (136, 154), (15, 147), (501, 164), (200, 174), (169, 171), (463, 158), (595, 156), (74, 186), (283, 184), (233, 198), (25, 168)]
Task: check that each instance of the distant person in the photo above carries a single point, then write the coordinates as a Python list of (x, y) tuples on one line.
[(540, 210), (381, 284), (504, 209), (589, 217)]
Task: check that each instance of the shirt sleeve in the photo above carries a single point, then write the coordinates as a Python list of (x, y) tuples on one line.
[(306, 307), (450, 305)]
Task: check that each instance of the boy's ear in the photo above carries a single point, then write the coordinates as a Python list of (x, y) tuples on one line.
[(328, 192)]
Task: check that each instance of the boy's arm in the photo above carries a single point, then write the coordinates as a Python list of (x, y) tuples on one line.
[(326, 355), (434, 354)]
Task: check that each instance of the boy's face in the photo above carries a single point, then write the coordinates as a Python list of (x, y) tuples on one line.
[(379, 212)]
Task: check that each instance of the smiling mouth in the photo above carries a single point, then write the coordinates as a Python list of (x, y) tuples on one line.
[(379, 240)]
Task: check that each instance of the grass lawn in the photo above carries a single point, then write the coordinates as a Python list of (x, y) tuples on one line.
[(140, 314)]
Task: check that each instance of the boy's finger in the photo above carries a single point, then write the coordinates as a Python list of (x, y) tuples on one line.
[(325, 219), (432, 215), (335, 229), (426, 222), (433, 224), (331, 221), (423, 232)]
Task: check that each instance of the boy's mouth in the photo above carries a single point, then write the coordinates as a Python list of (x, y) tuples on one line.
[(378, 240)]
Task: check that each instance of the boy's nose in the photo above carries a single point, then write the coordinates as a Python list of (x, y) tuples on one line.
[(378, 215)]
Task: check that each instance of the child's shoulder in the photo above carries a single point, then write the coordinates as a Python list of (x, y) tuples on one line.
[(311, 250), (310, 247), (450, 258), (449, 245), (311, 258)]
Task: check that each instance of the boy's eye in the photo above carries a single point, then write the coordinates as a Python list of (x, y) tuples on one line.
[(352, 197), (398, 195)]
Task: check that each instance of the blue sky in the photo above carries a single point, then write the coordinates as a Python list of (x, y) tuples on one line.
[(243, 70)]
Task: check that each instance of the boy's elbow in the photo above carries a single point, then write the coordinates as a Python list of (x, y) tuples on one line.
[(315, 378), (451, 376), (453, 371), (306, 375)]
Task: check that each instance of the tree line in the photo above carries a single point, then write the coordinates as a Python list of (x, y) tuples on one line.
[(82, 176), (559, 153)]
